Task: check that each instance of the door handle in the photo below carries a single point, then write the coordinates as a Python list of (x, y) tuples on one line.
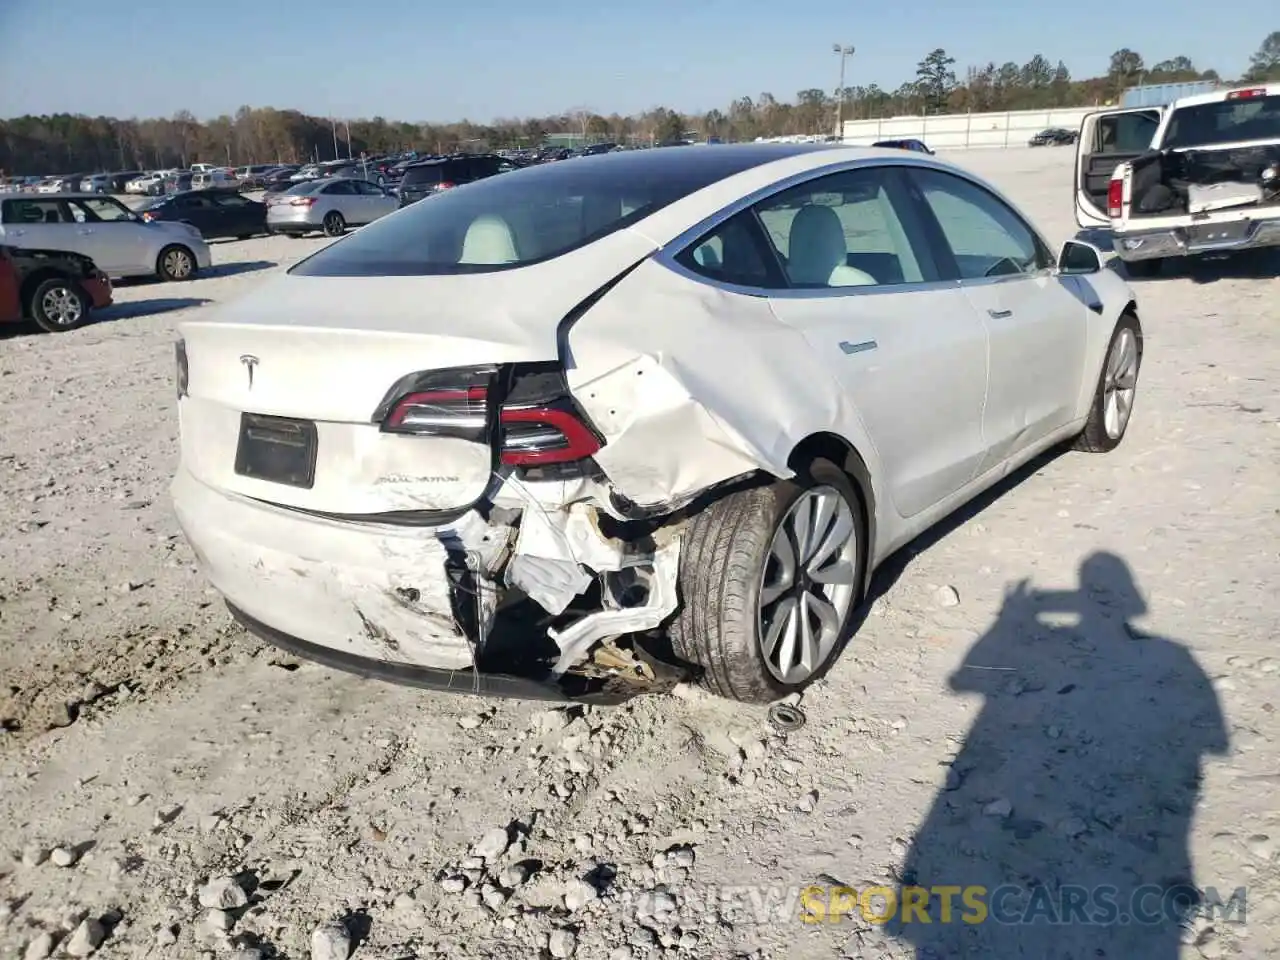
[(85, 231), (18, 233), (999, 314)]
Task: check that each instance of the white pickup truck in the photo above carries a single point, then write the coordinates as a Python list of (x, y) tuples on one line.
[(1199, 176)]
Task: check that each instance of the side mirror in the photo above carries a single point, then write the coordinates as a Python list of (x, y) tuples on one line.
[(1078, 257)]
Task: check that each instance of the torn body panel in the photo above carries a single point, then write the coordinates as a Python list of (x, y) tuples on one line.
[(650, 374), (429, 595)]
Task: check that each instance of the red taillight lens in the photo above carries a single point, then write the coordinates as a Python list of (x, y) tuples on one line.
[(148, 217), (461, 411), (302, 201), (1115, 199), (445, 185), (1247, 94), (536, 424)]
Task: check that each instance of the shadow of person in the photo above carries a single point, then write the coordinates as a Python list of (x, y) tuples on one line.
[(1071, 799)]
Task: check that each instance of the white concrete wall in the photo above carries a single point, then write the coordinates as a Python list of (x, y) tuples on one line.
[(959, 131)]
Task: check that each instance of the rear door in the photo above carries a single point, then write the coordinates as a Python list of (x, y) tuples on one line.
[(237, 215), (43, 223), (1108, 138), (341, 196), (861, 285), (120, 241)]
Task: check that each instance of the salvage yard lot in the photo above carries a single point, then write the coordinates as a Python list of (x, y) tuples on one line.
[(166, 746)]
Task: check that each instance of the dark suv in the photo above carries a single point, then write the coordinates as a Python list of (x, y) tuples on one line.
[(432, 176)]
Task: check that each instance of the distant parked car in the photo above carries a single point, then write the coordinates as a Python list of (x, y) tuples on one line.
[(174, 183), (909, 144), (1054, 136), (329, 205), (278, 180), (220, 178), (433, 176), (215, 213), (104, 229), (55, 288), (251, 175), (142, 183)]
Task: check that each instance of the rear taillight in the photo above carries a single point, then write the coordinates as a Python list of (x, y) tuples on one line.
[(148, 217), (302, 202), (1247, 94), (1115, 199), (526, 411), (445, 185)]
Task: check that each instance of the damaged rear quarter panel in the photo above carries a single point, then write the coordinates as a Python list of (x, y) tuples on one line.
[(692, 385)]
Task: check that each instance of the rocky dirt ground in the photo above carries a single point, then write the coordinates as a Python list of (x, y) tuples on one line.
[(170, 786)]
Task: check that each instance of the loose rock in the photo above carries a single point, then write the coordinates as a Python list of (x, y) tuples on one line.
[(330, 941), (947, 596), (86, 938), (40, 947), (493, 844), (223, 893), (562, 943), (577, 894), (998, 808), (64, 856)]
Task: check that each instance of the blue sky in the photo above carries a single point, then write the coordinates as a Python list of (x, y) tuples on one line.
[(449, 60)]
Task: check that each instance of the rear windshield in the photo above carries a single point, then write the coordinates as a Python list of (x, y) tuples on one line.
[(305, 187), (1226, 121), (429, 174), (523, 217)]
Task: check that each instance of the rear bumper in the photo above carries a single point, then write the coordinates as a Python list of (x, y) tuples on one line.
[(1176, 242), (412, 675), (99, 291), (368, 592)]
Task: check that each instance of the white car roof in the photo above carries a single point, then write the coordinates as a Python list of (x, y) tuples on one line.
[(1217, 96)]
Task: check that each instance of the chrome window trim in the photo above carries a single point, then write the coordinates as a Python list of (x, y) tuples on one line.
[(666, 255)]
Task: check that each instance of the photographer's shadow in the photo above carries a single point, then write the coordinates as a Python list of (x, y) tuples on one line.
[(1075, 785)]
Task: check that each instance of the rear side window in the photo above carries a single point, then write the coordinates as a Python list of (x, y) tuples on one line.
[(35, 211), (733, 253), (304, 188), (519, 218)]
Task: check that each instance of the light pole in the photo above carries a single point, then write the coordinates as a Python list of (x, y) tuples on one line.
[(844, 53)]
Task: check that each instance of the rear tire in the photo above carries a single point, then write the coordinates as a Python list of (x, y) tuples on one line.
[(1116, 390), (735, 585), (58, 305), (334, 225)]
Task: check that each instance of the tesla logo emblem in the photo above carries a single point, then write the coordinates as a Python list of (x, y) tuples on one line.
[(249, 361)]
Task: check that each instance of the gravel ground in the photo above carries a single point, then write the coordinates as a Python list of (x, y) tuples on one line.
[(1071, 684)]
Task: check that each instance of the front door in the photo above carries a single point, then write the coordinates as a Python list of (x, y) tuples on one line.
[(864, 290), (116, 235), (1036, 326), (1107, 139), (42, 223)]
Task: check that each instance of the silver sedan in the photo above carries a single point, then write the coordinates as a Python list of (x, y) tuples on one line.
[(330, 205)]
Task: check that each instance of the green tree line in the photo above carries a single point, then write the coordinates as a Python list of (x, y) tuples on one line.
[(65, 143)]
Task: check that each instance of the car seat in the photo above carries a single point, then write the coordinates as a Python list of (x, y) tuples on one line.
[(817, 255), (489, 240)]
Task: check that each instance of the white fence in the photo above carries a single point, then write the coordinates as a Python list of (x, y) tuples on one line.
[(959, 131)]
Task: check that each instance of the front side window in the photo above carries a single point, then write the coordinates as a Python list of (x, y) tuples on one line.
[(230, 200), (341, 188), (841, 230), (985, 236), (104, 210)]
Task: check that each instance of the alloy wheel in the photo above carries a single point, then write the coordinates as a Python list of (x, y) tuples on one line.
[(62, 306), (1120, 383), (807, 587)]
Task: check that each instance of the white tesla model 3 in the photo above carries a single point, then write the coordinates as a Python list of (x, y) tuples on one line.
[(560, 431)]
